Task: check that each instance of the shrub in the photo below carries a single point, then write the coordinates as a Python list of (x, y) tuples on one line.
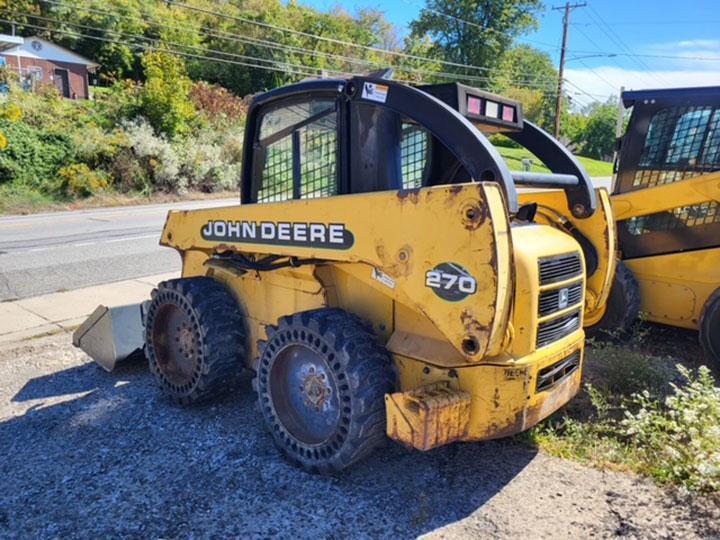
[(678, 440), (210, 161), (98, 148), (165, 97), (78, 180), (217, 103), (673, 438), (157, 156), (33, 155)]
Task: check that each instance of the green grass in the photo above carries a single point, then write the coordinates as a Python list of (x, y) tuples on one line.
[(514, 156), (23, 200)]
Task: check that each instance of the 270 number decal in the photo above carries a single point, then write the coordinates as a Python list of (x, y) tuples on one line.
[(451, 282)]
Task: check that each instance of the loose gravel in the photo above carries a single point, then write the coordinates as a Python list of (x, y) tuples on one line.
[(89, 454)]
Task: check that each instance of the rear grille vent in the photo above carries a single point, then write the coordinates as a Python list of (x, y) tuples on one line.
[(559, 299), (555, 329), (553, 374), (560, 268)]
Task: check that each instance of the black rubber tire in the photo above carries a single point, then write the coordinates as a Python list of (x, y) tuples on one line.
[(710, 329), (361, 369), (217, 331), (623, 307)]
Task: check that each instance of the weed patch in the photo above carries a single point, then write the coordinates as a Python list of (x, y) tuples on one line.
[(641, 413)]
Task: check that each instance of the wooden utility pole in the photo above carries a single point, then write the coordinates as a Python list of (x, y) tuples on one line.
[(561, 72)]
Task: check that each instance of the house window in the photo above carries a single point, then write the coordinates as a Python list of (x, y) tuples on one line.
[(36, 74)]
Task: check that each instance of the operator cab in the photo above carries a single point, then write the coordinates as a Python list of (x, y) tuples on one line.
[(320, 138), (673, 135)]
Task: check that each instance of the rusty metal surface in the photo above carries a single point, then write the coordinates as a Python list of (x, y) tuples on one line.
[(429, 416)]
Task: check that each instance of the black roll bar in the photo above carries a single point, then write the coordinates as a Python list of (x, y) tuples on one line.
[(580, 192), (468, 144)]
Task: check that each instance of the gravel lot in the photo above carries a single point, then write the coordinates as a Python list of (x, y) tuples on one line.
[(95, 455)]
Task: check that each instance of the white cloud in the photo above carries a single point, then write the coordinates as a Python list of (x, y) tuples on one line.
[(691, 44), (605, 81), (670, 64)]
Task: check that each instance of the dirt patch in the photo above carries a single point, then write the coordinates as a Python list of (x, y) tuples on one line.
[(88, 454)]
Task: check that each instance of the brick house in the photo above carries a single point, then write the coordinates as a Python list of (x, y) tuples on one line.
[(42, 62)]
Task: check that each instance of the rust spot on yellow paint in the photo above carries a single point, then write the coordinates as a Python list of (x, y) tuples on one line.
[(409, 195)]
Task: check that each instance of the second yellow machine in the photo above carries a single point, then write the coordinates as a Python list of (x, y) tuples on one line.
[(381, 277)]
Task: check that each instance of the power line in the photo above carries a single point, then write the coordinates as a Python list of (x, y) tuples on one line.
[(592, 41), (225, 35), (171, 51), (171, 43), (322, 38), (597, 18), (603, 79)]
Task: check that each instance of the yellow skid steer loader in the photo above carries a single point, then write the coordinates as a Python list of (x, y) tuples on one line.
[(382, 276), (666, 200)]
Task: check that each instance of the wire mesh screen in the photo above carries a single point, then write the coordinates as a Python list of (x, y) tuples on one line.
[(681, 142), (678, 218), (318, 159), (300, 141), (413, 155), (277, 176)]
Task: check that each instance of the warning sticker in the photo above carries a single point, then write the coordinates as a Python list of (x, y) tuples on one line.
[(375, 92)]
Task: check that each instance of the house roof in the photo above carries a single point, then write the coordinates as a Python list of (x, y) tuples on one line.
[(7, 41), (42, 49)]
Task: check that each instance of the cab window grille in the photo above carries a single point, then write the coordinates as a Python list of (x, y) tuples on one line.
[(413, 155), (318, 143), (681, 142), (300, 147), (678, 218)]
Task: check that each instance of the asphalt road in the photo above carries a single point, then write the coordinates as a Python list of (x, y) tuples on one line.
[(44, 253)]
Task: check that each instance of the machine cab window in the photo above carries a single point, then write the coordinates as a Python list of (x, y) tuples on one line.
[(296, 151)]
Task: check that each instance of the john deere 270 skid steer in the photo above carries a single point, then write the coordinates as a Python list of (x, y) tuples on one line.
[(382, 277), (666, 199)]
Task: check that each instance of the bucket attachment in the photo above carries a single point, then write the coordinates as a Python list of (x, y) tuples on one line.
[(429, 416), (110, 335)]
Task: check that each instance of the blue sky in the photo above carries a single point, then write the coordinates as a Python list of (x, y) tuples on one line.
[(688, 31)]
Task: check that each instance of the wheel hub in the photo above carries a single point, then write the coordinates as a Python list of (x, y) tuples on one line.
[(316, 389), (176, 345), (304, 394)]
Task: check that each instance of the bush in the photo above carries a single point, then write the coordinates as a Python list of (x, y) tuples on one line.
[(33, 156), (78, 180), (165, 97), (678, 440), (217, 104), (156, 156)]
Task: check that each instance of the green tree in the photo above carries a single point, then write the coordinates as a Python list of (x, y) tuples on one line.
[(165, 97), (598, 137), (476, 32), (528, 75)]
